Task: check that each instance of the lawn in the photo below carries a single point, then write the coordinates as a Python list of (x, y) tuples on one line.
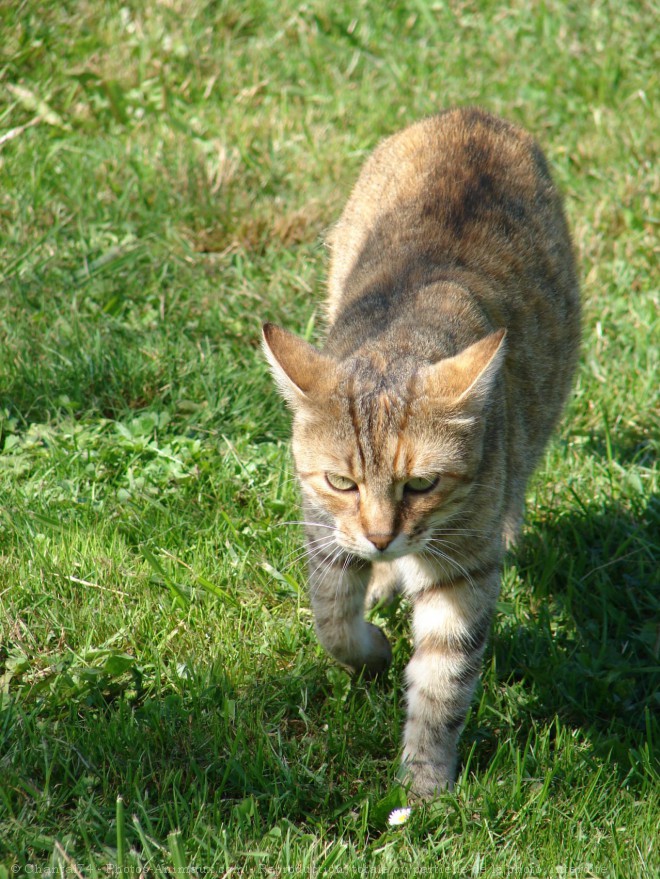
[(167, 173)]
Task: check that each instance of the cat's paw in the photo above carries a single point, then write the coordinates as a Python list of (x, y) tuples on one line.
[(425, 780), (379, 655)]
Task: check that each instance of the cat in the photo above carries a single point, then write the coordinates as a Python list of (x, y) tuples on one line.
[(453, 335)]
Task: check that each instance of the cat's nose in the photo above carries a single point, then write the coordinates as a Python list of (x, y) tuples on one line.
[(381, 541)]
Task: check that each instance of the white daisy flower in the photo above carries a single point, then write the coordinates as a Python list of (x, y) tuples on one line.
[(399, 816)]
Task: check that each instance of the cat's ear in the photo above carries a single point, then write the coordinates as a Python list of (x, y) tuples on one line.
[(301, 372), (467, 378)]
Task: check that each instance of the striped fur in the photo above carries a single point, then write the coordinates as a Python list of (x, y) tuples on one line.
[(454, 324)]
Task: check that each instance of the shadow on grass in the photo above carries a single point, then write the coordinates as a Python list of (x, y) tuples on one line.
[(209, 755), (588, 654), (283, 743)]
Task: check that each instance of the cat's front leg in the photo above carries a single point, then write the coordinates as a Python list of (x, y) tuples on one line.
[(451, 623), (383, 585), (338, 585)]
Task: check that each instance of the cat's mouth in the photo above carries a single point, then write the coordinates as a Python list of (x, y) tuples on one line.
[(381, 549)]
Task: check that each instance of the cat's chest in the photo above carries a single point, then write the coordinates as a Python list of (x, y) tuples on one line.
[(448, 611), (416, 573)]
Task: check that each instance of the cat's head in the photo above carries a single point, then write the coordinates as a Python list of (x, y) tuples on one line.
[(386, 449)]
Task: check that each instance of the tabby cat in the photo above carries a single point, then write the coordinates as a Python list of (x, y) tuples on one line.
[(454, 327)]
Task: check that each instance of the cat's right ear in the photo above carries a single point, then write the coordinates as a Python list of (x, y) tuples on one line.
[(300, 371)]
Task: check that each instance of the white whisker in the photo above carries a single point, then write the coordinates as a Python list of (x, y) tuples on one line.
[(320, 552), (441, 556), (328, 564), (311, 552)]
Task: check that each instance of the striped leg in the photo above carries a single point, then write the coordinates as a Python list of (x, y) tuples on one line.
[(338, 593), (451, 625)]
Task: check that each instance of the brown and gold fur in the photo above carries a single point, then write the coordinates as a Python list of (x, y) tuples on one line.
[(454, 326)]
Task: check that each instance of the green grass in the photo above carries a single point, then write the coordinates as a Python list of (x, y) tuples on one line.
[(167, 171)]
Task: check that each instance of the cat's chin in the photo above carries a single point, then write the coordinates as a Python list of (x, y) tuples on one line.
[(391, 554), (360, 547), (381, 556)]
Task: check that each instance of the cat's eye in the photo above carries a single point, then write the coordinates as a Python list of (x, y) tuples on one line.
[(340, 483), (421, 484)]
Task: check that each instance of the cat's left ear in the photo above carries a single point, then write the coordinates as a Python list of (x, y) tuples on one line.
[(467, 378), (301, 372)]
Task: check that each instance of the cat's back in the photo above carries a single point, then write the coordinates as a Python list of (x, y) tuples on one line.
[(462, 190), (455, 229)]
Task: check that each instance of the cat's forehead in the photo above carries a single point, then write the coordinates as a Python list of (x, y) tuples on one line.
[(375, 379), (376, 452), (376, 402), (374, 425), (383, 436)]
